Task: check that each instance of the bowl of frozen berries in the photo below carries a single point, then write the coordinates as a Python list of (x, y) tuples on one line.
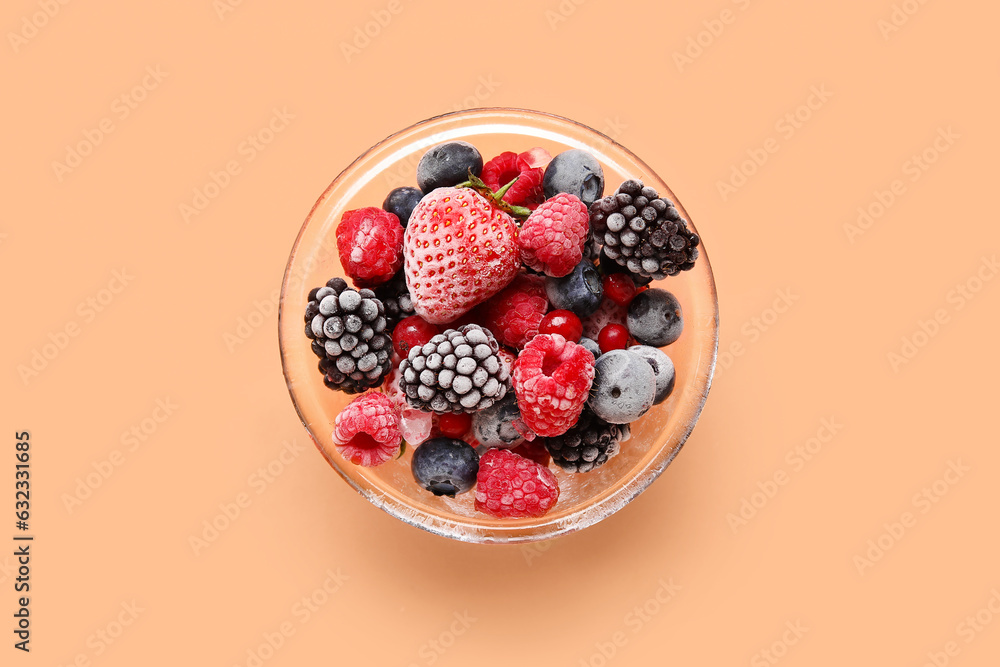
[(498, 325)]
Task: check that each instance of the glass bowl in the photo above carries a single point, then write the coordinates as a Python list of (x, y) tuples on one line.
[(585, 498)]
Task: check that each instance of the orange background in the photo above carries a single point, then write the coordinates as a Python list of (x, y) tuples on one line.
[(191, 284)]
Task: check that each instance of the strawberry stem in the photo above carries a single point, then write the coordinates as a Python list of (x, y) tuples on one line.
[(502, 191), (479, 186)]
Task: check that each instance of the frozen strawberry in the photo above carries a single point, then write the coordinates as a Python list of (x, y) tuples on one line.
[(459, 249)]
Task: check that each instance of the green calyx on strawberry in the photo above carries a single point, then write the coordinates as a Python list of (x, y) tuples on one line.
[(477, 184)]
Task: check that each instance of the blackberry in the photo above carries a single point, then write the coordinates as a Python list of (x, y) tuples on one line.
[(588, 444), (397, 300), (348, 332), (644, 232), (458, 370)]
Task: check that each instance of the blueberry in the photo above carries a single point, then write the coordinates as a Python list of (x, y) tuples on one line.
[(494, 426), (654, 317), (445, 466), (591, 345), (624, 387), (401, 202), (448, 164), (576, 172), (663, 369), (581, 291)]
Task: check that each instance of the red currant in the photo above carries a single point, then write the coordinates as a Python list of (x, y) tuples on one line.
[(562, 322), (412, 332), (620, 288), (454, 425), (613, 337)]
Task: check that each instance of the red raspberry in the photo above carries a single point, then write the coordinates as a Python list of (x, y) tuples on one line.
[(553, 236), (366, 432), (552, 378), (535, 451), (513, 487), (370, 243), (513, 315), (504, 168)]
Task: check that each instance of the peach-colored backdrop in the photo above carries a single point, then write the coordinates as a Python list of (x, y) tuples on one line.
[(836, 503)]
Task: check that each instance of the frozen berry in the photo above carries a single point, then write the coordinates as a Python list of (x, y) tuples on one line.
[(401, 201), (551, 379), (553, 237), (445, 466), (448, 164), (563, 322), (610, 267), (366, 432), (513, 314), (576, 172), (412, 332), (370, 245), (654, 317), (510, 486), (454, 425), (580, 291), (496, 426), (663, 369), (620, 288), (504, 168), (613, 337), (624, 387)]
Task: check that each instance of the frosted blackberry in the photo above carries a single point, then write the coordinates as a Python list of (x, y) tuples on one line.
[(588, 444), (349, 335), (458, 370), (397, 300), (643, 232)]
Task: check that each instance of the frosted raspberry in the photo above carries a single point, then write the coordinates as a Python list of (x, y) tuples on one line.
[(552, 378), (366, 432), (513, 315), (553, 236), (512, 487), (607, 313), (370, 244), (504, 168)]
